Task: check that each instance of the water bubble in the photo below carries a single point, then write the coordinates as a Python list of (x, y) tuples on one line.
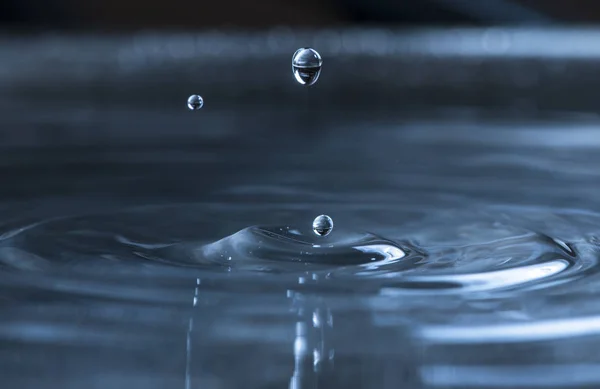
[(322, 225), (195, 102), (306, 65)]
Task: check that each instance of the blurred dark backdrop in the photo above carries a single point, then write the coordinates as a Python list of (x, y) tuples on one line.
[(113, 15)]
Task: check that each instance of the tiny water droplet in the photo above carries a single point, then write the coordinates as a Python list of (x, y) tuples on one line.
[(306, 66), (195, 102), (322, 225)]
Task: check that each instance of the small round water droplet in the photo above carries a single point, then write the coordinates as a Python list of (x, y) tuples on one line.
[(306, 65), (322, 225), (195, 102)]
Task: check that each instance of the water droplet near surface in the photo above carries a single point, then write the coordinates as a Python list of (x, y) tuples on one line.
[(322, 225), (195, 102), (306, 66)]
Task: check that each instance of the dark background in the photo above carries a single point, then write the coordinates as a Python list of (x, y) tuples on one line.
[(122, 15)]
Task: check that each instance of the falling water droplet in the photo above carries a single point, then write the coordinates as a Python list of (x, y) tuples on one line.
[(322, 225), (306, 65), (195, 102)]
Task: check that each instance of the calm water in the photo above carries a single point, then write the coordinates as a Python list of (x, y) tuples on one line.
[(149, 246)]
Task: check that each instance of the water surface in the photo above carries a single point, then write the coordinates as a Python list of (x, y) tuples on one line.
[(155, 247)]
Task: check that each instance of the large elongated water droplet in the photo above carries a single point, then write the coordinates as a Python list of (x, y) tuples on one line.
[(306, 65)]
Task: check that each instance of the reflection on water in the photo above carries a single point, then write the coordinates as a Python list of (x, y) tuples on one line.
[(188, 347), (313, 353), (439, 294), (464, 254)]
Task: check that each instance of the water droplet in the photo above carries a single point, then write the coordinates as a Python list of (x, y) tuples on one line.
[(306, 65), (195, 102), (322, 225)]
